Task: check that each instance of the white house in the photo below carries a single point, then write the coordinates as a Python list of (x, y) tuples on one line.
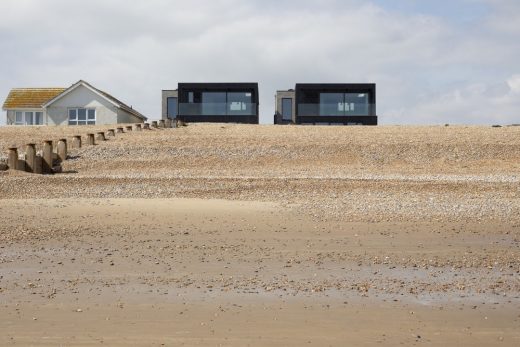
[(80, 104)]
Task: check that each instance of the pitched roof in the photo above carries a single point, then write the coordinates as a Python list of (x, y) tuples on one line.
[(107, 96), (30, 97)]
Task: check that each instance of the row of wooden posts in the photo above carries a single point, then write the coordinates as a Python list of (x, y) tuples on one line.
[(44, 163)]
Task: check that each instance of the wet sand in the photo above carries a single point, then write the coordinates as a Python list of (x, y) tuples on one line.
[(214, 272)]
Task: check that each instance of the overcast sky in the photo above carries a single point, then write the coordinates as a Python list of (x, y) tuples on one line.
[(434, 61)]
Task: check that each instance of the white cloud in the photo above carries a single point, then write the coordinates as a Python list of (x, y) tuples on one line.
[(427, 68)]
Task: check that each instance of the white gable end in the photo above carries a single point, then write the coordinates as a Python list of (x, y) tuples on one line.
[(81, 97)]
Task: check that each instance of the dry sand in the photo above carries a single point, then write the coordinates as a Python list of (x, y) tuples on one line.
[(264, 235)]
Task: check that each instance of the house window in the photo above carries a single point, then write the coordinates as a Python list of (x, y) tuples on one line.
[(28, 118), (287, 109), (82, 116), (19, 118), (38, 118)]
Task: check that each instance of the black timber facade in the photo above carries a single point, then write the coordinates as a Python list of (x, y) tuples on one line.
[(328, 104), (218, 102)]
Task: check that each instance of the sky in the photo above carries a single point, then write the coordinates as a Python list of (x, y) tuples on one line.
[(434, 61)]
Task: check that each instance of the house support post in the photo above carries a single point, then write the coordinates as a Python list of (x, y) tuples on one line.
[(101, 136)]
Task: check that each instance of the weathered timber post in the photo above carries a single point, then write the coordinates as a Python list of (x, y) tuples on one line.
[(30, 157), (47, 157), (161, 123), (38, 164), (129, 128), (120, 130), (76, 141), (111, 132), (12, 158), (101, 136), (91, 140), (62, 150), (147, 126)]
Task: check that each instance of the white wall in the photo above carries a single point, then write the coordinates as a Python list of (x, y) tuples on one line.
[(106, 112), (125, 117)]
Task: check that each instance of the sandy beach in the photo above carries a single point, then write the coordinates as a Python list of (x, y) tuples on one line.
[(239, 235)]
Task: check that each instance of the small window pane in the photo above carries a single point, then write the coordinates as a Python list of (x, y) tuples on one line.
[(82, 114), (72, 114), (18, 118), (29, 118), (82, 122), (73, 122), (91, 114), (91, 122), (38, 119)]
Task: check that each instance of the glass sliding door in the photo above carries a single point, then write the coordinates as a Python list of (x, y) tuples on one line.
[(356, 104), (332, 104), (214, 103), (239, 103)]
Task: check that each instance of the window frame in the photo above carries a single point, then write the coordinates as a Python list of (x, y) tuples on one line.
[(75, 121), (21, 117)]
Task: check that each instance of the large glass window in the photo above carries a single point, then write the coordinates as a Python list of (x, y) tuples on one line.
[(239, 102), (344, 104), (214, 103), (171, 108), (287, 109), (332, 104), (82, 116)]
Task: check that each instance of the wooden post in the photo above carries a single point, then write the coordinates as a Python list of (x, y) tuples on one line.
[(120, 130), (62, 150), (129, 128), (111, 132), (147, 126), (154, 124), (161, 123), (76, 141), (38, 164), (30, 157), (138, 127), (47, 157), (101, 136), (91, 140), (12, 159)]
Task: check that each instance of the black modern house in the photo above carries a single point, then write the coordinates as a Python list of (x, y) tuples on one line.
[(327, 104), (212, 102)]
